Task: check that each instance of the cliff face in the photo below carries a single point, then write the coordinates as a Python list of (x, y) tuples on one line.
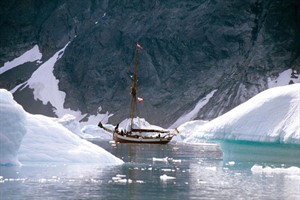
[(190, 49)]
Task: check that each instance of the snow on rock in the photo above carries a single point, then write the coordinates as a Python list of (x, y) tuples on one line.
[(284, 78), (193, 114), (37, 138), (12, 128), (94, 119), (43, 80), (271, 116), (31, 55)]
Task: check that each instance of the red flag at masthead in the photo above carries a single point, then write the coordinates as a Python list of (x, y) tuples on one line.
[(138, 46)]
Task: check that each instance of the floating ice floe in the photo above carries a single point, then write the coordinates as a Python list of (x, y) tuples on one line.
[(166, 159), (166, 177), (258, 169), (231, 163), (121, 179), (160, 159), (168, 170)]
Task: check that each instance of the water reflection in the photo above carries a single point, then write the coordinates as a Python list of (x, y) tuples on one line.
[(196, 171), (50, 180)]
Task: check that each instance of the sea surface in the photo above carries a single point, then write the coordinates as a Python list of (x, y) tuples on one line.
[(173, 171)]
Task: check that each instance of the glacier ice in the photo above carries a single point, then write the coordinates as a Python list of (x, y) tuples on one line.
[(36, 138), (271, 116)]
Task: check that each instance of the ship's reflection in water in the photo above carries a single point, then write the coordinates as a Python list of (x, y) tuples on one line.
[(173, 171)]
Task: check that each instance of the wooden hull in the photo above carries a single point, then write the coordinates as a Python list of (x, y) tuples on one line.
[(128, 139)]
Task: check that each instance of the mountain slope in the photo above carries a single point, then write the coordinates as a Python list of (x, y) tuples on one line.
[(191, 48)]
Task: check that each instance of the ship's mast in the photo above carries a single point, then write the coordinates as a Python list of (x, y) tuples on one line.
[(134, 88)]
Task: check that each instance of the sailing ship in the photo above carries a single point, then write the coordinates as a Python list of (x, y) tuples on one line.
[(137, 134)]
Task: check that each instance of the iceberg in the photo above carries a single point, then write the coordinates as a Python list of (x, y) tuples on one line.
[(94, 132), (36, 138), (12, 128), (187, 129), (88, 131), (272, 116), (70, 122)]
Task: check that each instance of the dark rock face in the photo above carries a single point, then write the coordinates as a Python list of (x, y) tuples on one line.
[(190, 48)]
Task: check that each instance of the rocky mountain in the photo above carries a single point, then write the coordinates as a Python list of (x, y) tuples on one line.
[(190, 48)]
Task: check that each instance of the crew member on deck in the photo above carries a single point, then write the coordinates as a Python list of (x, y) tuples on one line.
[(116, 128)]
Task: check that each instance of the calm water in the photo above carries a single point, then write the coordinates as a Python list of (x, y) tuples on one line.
[(192, 171)]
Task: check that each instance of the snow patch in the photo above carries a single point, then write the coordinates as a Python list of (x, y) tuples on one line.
[(94, 119), (31, 55), (284, 78), (45, 88), (193, 114)]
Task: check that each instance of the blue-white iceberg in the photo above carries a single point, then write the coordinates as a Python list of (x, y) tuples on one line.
[(36, 138), (271, 116)]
